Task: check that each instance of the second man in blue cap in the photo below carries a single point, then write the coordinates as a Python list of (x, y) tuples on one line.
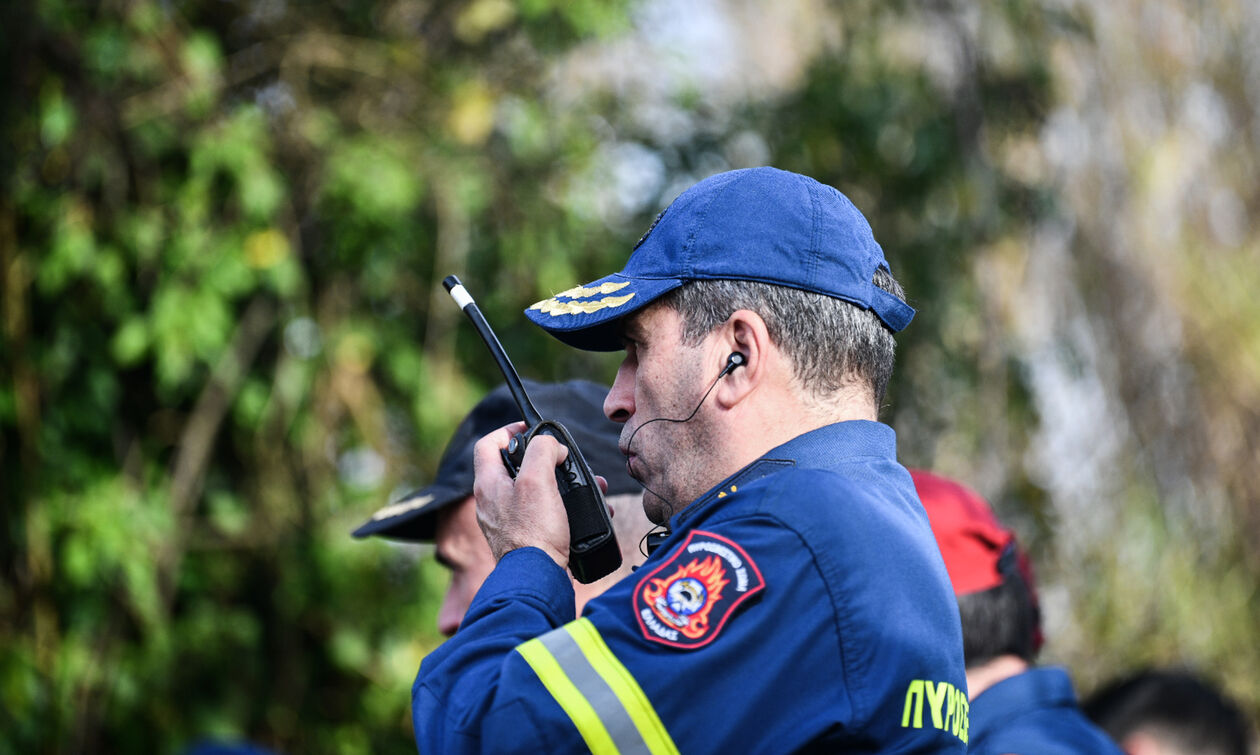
[(443, 513)]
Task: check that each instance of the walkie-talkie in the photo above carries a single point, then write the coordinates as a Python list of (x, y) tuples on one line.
[(593, 550)]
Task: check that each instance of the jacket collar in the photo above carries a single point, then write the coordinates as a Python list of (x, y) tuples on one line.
[(827, 447)]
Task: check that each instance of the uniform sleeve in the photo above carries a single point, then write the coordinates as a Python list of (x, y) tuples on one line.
[(682, 656), (454, 695)]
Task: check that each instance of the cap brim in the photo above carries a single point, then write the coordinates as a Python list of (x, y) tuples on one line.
[(586, 317), (413, 517)]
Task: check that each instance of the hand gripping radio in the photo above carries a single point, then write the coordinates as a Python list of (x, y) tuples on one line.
[(593, 550)]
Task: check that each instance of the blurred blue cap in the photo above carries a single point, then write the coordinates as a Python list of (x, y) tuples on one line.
[(576, 404), (757, 224)]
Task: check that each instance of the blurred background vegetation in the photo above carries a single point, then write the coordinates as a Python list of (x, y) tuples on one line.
[(224, 224)]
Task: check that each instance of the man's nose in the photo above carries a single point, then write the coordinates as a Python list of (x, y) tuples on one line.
[(619, 403)]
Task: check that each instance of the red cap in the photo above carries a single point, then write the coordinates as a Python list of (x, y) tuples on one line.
[(970, 538), (972, 541)]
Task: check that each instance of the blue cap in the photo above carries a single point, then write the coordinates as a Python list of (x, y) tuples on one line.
[(758, 224), (577, 404)]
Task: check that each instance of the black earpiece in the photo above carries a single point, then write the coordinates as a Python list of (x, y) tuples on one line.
[(736, 359)]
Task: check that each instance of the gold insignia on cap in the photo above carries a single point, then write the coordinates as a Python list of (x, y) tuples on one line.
[(402, 507), (578, 292), (555, 307)]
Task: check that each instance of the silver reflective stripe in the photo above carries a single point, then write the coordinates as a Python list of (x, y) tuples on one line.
[(625, 735)]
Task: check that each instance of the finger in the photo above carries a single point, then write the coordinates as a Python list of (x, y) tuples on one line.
[(486, 451), (602, 482), (505, 433), (543, 454)]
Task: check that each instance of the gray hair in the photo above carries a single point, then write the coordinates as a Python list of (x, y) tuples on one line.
[(831, 343)]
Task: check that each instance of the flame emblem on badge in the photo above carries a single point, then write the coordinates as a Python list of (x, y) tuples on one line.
[(708, 577), (685, 598)]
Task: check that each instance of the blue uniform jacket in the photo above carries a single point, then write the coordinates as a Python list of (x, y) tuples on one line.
[(1034, 713), (801, 604)]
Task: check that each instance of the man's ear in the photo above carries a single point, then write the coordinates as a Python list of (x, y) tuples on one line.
[(745, 344)]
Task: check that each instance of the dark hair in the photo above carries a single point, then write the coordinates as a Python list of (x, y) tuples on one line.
[(1003, 620), (830, 341), (1176, 707)]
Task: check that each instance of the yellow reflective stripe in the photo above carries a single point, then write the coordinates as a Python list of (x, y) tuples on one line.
[(567, 695), (624, 686)]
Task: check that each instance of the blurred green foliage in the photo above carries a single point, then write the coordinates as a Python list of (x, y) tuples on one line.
[(223, 229)]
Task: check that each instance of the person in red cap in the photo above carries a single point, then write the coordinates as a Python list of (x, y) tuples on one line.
[(1016, 707)]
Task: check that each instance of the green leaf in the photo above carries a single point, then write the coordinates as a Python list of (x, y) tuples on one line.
[(105, 52), (374, 177), (202, 63), (350, 649), (77, 561), (130, 341), (228, 513), (57, 117)]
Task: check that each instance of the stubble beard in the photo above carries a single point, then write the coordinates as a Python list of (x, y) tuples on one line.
[(672, 464), (672, 458)]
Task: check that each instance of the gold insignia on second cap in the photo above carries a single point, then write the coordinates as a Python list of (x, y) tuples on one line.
[(555, 307), (402, 507)]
